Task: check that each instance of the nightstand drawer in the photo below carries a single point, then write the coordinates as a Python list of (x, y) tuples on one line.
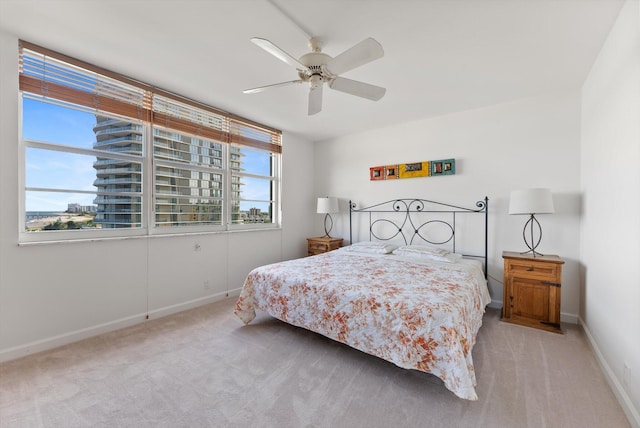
[(319, 246), (535, 269), (322, 245)]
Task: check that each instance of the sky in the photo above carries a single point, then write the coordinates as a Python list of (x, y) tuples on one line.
[(59, 170)]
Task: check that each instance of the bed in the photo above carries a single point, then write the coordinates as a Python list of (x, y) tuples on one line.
[(406, 294)]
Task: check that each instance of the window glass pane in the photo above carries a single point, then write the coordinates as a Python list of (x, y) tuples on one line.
[(252, 161), (85, 211), (51, 123), (58, 202), (118, 212), (249, 212), (252, 197), (59, 170), (118, 135), (105, 177), (47, 122), (179, 147), (191, 195), (118, 176), (249, 188), (59, 211), (180, 211), (186, 182)]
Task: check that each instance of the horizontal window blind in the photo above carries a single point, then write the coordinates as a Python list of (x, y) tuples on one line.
[(49, 74), (173, 114)]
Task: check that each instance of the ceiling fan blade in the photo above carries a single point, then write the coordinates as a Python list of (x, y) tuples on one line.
[(278, 53), (275, 85), (360, 54), (359, 89), (315, 96)]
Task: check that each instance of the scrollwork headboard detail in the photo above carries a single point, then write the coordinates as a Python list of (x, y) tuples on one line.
[(404, 222)]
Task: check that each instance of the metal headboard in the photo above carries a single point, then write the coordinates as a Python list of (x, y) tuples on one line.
[(403, 221)]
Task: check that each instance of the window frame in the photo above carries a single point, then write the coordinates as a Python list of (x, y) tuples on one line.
[(274, 182), (66, 235), (235, 132)]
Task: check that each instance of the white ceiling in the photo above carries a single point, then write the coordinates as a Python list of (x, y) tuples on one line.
[(441, 56)]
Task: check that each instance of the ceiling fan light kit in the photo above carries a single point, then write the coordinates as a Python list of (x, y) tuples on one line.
[(316, 68)]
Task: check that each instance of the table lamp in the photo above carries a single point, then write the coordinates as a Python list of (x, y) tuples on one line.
[(531, 202), (326, 206)]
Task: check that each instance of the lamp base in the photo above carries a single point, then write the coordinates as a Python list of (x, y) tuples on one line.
[(532, 246), (533, 253), (327, 230)]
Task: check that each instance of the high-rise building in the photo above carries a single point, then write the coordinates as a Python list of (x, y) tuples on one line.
[(114, 176), (182, 195)]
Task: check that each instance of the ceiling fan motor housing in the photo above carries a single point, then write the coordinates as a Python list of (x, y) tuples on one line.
[(315, 62)]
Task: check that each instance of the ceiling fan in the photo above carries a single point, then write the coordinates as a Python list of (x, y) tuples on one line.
[(316, 68)]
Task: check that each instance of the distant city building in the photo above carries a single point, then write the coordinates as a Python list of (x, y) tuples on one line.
[(77, 208), (254, 215)]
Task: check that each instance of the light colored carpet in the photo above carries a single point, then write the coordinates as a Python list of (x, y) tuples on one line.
[(204, 368)]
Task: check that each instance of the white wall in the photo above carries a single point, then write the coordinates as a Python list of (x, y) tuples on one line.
[(528, 143), (51, 294), (610, 250)]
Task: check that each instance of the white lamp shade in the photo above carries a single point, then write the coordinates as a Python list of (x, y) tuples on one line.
[(531, 201), (327, 205)]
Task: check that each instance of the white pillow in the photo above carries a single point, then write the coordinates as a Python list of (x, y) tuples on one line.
[(370, 247), (427, 253)]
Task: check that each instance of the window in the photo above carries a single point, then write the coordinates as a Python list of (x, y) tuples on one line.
[(189, 179), (108, 156)]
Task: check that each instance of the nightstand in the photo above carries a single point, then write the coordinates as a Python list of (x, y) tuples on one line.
[(532, 290), (322, 245)]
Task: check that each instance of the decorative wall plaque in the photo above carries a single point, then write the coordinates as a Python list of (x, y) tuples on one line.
[(415, 169)]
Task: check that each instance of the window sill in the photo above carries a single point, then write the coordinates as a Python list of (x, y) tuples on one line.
[(144, 236)]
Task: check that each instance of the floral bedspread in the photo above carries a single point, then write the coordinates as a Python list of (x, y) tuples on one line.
[(416, 314)]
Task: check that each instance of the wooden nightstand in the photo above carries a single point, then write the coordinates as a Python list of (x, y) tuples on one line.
[(322, 245), (532, 290)]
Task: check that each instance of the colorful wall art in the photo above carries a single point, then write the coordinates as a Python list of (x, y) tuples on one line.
[(411, 170)]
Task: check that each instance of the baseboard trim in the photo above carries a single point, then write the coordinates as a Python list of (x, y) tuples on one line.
[(568, 318), (633, 414), (235, 292), (496, 304), (179, 307), (85, 333), (66, 338)]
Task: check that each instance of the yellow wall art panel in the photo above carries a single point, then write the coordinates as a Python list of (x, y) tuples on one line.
[(417, 169)]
